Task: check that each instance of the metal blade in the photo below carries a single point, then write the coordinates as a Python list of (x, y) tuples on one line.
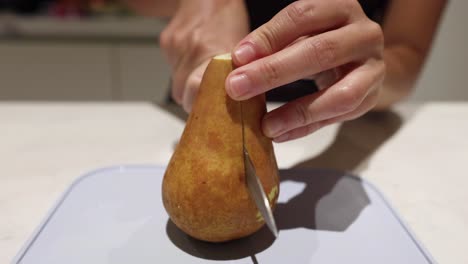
[(256, 190)]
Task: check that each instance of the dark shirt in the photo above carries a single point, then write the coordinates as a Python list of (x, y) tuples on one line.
[(260, 11)]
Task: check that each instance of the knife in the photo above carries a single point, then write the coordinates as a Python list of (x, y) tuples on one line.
[(258, 194)]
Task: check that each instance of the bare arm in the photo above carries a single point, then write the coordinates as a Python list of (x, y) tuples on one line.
[(409, 28)]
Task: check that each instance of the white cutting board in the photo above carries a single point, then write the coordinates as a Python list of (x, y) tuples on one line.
[(115, 215)]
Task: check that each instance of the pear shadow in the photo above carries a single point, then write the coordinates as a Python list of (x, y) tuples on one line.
[(231, 250), (331, 201), (328, 200), (355, 141)]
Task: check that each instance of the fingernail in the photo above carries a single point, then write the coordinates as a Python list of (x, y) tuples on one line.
[(244, 54), (272, 127), (239, 86), (282, 138)]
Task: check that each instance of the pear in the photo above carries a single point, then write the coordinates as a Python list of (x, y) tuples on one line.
[(204, 187)]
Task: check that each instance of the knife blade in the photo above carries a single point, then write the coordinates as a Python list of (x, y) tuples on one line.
[(258, 194)]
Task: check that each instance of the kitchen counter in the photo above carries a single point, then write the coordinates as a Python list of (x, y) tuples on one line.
[(416, 155)]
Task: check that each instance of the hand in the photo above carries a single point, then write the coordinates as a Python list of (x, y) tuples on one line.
[(331, 41), (200, 30)]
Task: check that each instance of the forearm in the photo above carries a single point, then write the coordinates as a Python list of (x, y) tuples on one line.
[(408, 32), (403, 66)]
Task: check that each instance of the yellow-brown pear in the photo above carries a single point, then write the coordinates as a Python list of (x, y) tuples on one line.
[(204, 187)]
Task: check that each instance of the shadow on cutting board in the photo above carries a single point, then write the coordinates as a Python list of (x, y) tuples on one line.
[(309, 205), (313, 198), (355, 142)]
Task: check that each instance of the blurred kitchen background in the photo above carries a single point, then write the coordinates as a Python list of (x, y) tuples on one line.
[(100, 50)]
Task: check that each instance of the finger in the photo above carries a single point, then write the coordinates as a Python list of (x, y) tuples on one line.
[(296, 133), (187, 64), (174, 37), (341, 98), (308, 57), (178, 84), (179, 42), (190, 92), (192, 86), (167, 38), (296, 20), (368, 103), (327, 78)]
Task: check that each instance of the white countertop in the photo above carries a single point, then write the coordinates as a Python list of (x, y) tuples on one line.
[(416, 156)]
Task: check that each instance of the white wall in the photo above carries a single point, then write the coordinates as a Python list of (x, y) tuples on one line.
[(446, 70), (86, 71)]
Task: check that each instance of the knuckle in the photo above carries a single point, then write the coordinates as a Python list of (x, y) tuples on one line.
[(195, 38), (177, 39), (164, 39), (323, 52), (347, 6), (195, 41), (350, 98), (203, 47), (267, 37), (271, 73), (375, 34), (299, 12), (301, 114)]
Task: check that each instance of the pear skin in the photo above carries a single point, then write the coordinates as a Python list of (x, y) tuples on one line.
[(204, 187)]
